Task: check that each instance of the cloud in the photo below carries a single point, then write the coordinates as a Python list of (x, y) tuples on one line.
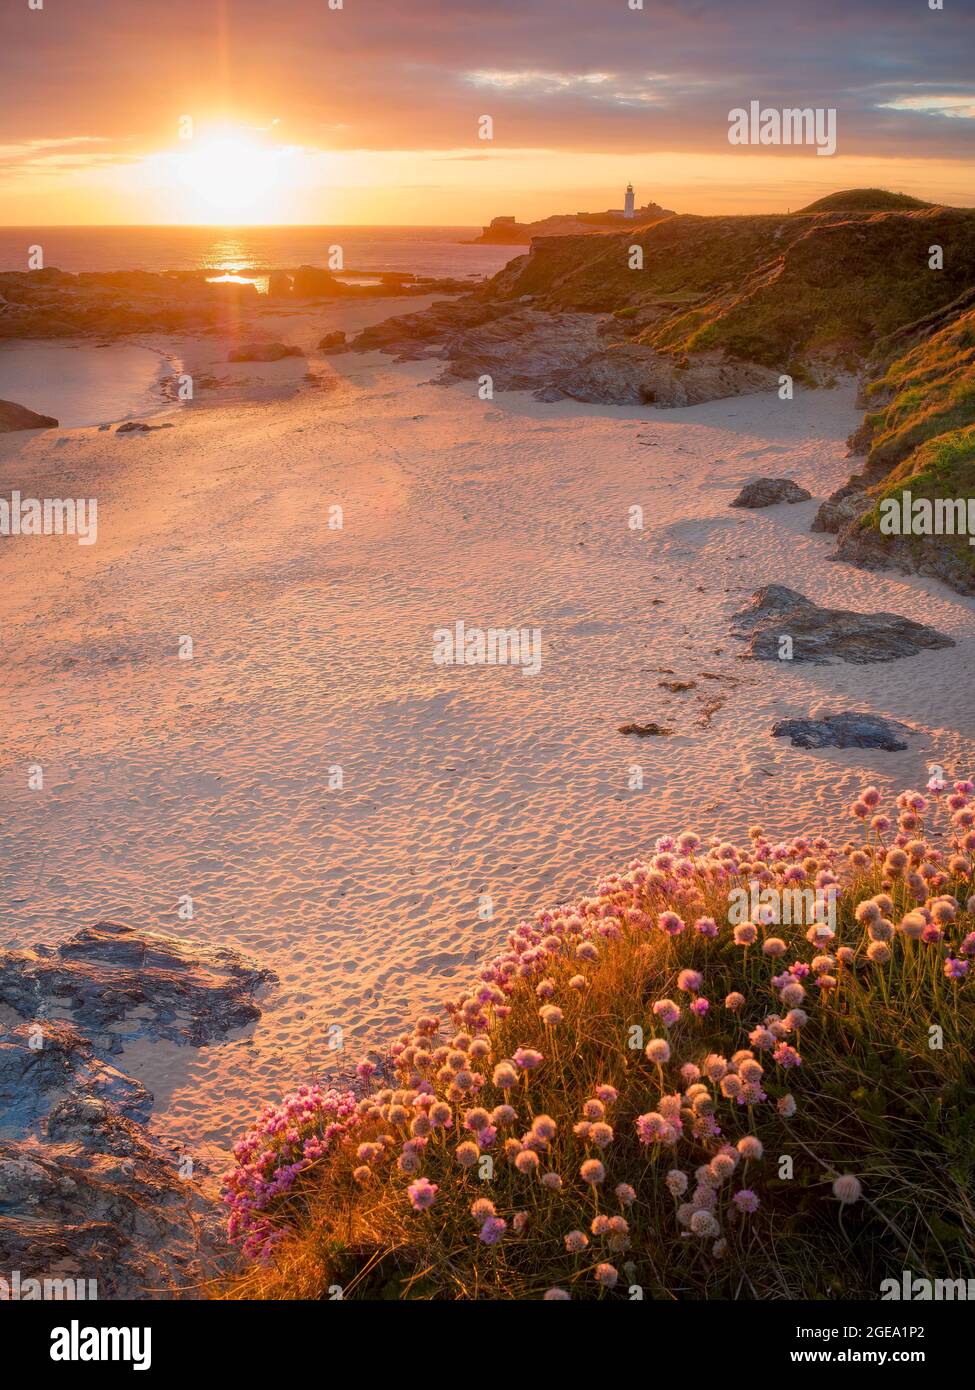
[(952, 107)]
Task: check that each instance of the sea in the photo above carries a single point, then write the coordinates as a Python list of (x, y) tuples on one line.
[(438, 251)]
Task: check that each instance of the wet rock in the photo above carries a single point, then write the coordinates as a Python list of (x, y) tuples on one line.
[(824, 636), (101, 1200), (263, 352), (278, 284), (115, 983), (18, 417), (847, 730), (766, 492), (139, 427), (42, 1063)]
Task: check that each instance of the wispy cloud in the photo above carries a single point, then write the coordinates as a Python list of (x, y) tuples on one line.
[(954, 107)]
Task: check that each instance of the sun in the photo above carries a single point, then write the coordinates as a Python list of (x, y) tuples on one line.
[(230, 175)]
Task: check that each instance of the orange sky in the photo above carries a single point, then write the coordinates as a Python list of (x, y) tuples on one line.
[(301, 113)]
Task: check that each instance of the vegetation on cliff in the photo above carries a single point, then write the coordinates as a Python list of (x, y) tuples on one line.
[(780, 291)]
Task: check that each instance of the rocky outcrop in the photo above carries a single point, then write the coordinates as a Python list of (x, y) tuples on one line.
[(766, 492), (869, 550), (116, 983), (580, 356), (847, 730), (263, 352), (825, 636), (333, 342), (18, 417), (42, 1063), (842, 507), (86, 1191)]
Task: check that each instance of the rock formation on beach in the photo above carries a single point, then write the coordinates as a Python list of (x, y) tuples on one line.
[(54, 303), (117, 983), (767, 492), (264, 352), (850, 729), (86, 1191), (824, 636), (18, 417)]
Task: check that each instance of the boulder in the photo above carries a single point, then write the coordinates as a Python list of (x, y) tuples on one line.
[(264, 352), (850, 729), (333, 342), (278, 284), (824, 636), (18, 417), (139, 427), (116, 983), (311, 282), (766, 492), (841, 508)]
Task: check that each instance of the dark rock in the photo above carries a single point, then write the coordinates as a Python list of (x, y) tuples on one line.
[(42, 1063), (18, 417), (139, 427), (824, 636), (650, 730), (311, 282), (867, 549), (333, 342), (116, 983), (278, 285), (846, 730), (86, 1191), (100, 1199), (766, 492), (556, 355), (264, 352), (841, 508)]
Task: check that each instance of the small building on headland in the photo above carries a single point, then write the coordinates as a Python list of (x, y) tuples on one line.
[(509, 230)]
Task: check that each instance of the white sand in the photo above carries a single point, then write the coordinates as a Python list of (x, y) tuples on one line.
[(313, 648)]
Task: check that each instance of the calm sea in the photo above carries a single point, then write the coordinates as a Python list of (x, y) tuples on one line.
[(421, 250)]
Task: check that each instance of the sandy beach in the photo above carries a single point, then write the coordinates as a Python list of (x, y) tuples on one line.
[(312, 651)]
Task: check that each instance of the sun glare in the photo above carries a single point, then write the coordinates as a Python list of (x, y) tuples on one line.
[(231, 175)]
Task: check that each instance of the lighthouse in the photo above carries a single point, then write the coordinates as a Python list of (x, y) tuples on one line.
[(628, 201)]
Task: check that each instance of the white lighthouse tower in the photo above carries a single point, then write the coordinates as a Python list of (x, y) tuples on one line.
[(628, 201)]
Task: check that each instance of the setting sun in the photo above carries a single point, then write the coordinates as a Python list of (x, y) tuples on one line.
[(230, 175)]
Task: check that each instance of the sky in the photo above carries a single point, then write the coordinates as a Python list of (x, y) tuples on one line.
[(342, 112)]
